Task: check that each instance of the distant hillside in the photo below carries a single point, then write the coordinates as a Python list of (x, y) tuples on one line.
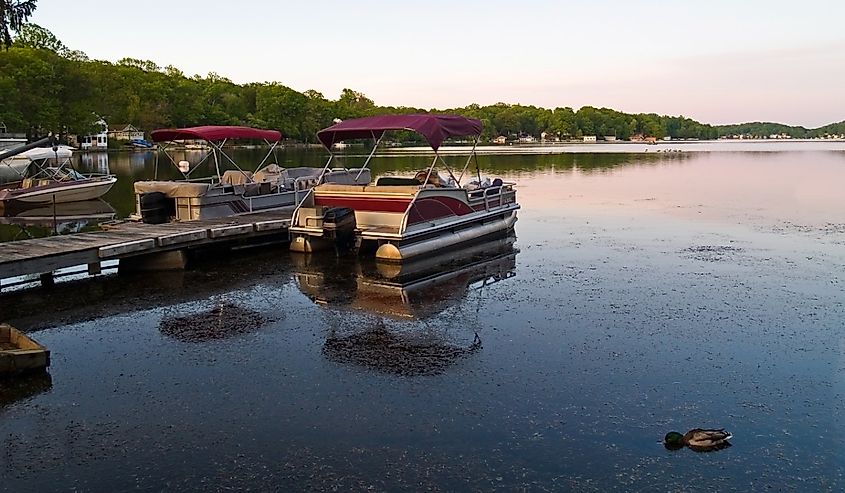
[(766, 129)]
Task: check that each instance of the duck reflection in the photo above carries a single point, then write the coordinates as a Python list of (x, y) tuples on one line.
[(23, 387), (408, 292)]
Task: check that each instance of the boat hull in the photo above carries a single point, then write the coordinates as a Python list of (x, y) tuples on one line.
[(60, 193), (403, 251)]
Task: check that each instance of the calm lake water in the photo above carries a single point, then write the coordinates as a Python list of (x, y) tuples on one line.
[(643, 293)]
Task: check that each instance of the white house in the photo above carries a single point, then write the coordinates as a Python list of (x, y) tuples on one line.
[(527, 139), (590, 138), (98, 141), (124, 132)]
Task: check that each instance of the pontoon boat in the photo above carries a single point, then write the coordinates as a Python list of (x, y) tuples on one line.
[(404, 217), (232, 191)]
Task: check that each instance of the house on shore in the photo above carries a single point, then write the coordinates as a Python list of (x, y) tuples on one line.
[(501, 139), (590, 138), (124, 132), (549, 137), (527, 139), (610, 138), (94, 142)]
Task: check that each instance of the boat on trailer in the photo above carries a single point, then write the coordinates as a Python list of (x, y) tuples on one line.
[(229, 191), (401, 217)]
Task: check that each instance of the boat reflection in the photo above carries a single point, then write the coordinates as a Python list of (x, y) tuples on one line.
[(65, 218), (23, 387), (413, 291)]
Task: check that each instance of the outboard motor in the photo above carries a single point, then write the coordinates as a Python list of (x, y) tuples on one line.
[(155, 208), (339, 225)]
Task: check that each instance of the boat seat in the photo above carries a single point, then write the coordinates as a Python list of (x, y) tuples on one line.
[(235, 177), (395, 180), (172, 189), (403, 189), (334, 187)]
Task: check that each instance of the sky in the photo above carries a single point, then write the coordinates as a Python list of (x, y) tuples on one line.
[(717, 62)]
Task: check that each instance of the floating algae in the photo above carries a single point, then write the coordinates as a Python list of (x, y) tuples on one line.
[(221, 322)]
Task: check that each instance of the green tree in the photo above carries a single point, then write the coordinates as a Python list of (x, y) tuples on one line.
[(39, 38), (13, 15)]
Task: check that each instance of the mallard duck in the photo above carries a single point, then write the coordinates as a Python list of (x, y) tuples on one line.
[(698, 439)]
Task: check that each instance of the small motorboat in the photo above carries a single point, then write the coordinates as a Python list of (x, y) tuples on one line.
[(404, 217), (49, 177)]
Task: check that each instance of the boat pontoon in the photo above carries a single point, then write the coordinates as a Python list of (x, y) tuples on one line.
[(416, 290), (49, 177), (232, 191), (404, 217)]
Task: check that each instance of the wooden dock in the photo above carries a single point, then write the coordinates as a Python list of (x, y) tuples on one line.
[(131, 241)]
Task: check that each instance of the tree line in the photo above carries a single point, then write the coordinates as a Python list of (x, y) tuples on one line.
[(49, 87)]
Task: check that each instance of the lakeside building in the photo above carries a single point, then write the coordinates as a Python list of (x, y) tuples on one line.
[(501, 139), (124, 132), (590, 138), (95, 142), (547, 137), (610, 138), (527, 139)]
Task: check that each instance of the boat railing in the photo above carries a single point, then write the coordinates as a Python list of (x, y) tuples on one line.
[(493, 195), (489, 194)]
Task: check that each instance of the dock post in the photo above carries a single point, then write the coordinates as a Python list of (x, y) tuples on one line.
[(94, 268), (47, 279), (172, 260)]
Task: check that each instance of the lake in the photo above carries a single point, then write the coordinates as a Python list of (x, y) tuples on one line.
[(643, 292)]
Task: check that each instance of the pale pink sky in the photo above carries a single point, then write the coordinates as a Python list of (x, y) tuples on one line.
[(718, 62)]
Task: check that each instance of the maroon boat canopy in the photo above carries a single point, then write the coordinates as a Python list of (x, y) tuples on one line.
[(211, 133), (435, 128)]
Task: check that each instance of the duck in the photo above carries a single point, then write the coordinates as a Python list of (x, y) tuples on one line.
[(698, 439)]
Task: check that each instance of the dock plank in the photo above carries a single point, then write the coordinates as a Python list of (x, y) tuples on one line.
[(44, 255)]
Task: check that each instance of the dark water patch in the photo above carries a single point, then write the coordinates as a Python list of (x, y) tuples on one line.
[(712, 253), (22, 387), (401, 354), (223, 321)]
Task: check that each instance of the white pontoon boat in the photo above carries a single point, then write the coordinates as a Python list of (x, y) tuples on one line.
[(234, 191)]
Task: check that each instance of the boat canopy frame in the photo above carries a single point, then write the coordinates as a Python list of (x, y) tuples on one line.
[(216, 137), (38, 168), (434, 128)]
